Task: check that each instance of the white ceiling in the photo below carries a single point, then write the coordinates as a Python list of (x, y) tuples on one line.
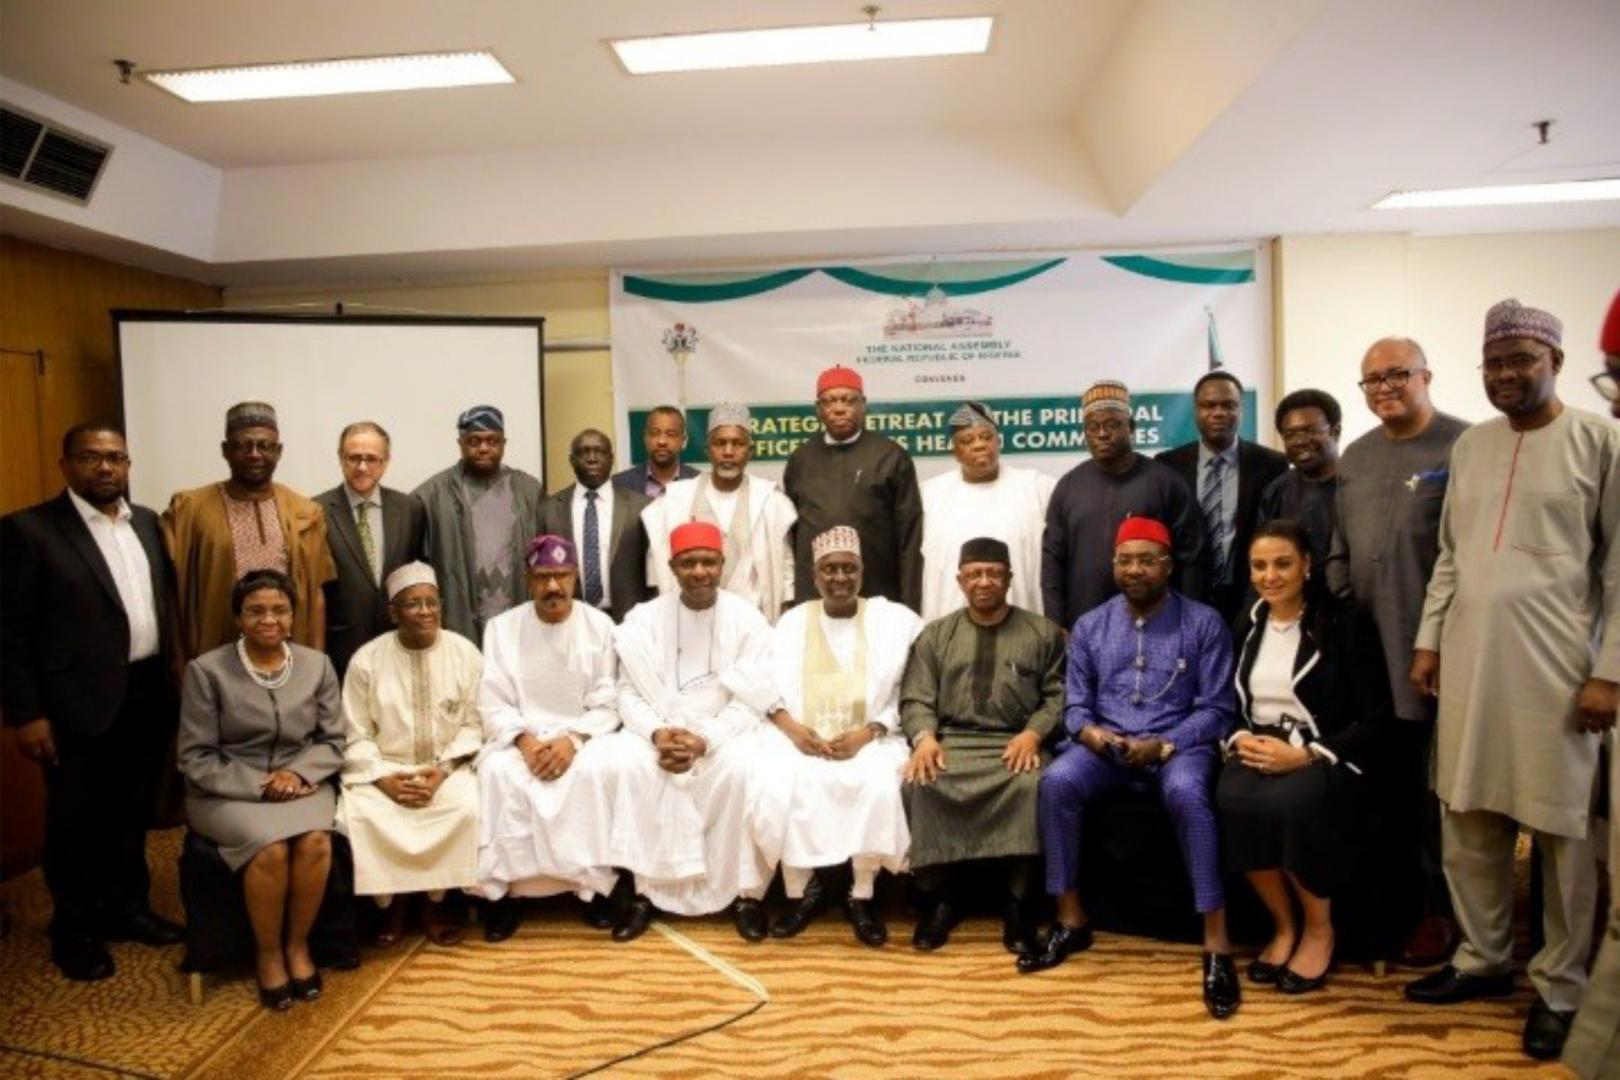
[(1091, 122)]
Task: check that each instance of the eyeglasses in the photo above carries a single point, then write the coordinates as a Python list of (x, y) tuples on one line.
[(1104, 427), (1294, 434), (419, 603), (1146, 562), (1518, 363), (994, 574), (247, 446), (1606, 385), (1394, 378), (369, 461), (93, 459)]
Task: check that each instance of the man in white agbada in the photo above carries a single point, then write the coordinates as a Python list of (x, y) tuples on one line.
[(693, 822), (754, 516), (1520, 638), (549, 768), (410, 798), (981, 497), (835, 739)]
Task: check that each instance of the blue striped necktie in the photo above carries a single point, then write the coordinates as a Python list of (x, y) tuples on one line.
[(1214, 519), (593, 556)]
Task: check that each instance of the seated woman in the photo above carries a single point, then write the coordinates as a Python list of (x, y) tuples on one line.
[(261, 740), (1312, 699)]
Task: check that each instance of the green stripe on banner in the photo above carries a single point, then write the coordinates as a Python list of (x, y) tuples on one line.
[(711, 291), (890, 286), (1185, 272)]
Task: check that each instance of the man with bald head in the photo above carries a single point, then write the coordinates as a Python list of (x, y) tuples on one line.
[(1392, 482)]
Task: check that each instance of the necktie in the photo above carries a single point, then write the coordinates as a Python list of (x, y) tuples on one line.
[(593, 557), (1210, 502), (368, 543)]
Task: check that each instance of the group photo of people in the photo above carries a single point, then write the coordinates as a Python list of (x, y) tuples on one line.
[(664, 692)]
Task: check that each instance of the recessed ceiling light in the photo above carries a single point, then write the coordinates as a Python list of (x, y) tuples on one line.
[(1504, 195), (316, 78), (902, 39)]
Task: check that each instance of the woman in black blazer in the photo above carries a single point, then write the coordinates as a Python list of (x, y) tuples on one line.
[(1312, 699)]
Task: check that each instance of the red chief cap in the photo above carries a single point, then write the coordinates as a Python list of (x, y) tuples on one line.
[(1611, 329), (694, 535), (839, 377), (1142, 528)]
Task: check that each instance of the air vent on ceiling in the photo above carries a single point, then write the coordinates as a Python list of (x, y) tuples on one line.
[(39, 154)]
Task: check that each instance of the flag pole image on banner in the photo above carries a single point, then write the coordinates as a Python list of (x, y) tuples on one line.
[(1024, 334)]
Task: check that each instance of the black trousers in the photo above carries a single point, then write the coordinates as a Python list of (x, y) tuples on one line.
[(1412, 820), (98, 805)]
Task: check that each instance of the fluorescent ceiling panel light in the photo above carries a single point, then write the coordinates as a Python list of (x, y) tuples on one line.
[(317, 78), (725, 49), (1567, 191)]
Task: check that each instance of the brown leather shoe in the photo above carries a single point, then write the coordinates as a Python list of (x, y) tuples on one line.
[(445, 923), (1431, 943)]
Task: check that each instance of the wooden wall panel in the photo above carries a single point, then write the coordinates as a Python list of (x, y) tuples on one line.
[(57, 301)]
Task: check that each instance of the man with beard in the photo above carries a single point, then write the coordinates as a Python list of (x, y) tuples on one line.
[(1520, 639), (851, 476), (1092, 499), (1308, 422), (754, 517), (603, 521), (663, 436), (217, 533), (982, 694), (1149, 700), (981, 496), (480, 514), (1227, 474)]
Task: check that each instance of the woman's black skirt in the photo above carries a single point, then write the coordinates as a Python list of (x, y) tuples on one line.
[(1304, 822)]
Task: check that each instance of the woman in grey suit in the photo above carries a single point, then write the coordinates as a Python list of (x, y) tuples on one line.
[(261, 739)]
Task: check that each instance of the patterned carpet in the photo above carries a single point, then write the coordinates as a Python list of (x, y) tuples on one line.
[(560, 1000)]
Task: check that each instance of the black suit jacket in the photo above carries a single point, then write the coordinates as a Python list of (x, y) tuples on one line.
[(627, 545), (356, 608), (64, 634), (1257, 467)]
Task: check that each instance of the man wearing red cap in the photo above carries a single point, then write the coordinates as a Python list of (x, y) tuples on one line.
[(850, 476), (1149, 701), (1520, 641), (691, 820)]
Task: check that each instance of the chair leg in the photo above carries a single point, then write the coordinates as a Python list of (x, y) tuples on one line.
[(1380, 968), (195, 985)]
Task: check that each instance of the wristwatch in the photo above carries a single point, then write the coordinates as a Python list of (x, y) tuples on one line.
[(1165, 750)]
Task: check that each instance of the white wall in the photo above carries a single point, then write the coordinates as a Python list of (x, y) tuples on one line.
[(1338, 294)]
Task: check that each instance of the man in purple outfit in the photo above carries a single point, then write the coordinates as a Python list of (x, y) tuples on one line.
[(1149, 700)]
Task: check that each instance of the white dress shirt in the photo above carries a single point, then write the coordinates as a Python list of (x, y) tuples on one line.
[(131, 572), (604, 527)]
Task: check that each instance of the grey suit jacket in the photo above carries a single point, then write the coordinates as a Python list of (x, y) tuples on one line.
[(356, 609), (627, 545)]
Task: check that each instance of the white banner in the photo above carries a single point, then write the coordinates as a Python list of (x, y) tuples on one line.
[(1026, 335)]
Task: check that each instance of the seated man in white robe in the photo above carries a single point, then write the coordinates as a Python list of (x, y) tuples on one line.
[(835, 739), (410, 799), (753, 515), (549, 767), (692, 820), (981, 497)]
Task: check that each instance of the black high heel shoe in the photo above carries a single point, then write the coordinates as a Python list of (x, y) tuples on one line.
[(305, 989), (1291, 982), (1262, 972), (277, 998)]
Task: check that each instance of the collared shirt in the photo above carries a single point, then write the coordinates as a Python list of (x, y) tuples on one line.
[(604, 527), (1229, 494), (375, 517), (131, 572), (842, 442)]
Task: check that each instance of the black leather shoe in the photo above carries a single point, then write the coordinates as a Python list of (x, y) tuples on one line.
[(1061, 943), (1545, 1030), (306, 989), (1290, 981), (1448, 986), (1017, 935), (1222, 991), (147, 929), (749, 917), (637, 917), (82, 959), (501, 919), (1262, 972), (934, 928), (277, 998), (804, 912), (868, 924), (599, 913)]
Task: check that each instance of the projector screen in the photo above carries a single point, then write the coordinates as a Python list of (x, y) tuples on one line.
[(413, 376)]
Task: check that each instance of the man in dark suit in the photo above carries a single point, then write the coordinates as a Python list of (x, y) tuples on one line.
[(612, 574), (372, 531), (663, 436), (1227, 475), (87, 645)]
